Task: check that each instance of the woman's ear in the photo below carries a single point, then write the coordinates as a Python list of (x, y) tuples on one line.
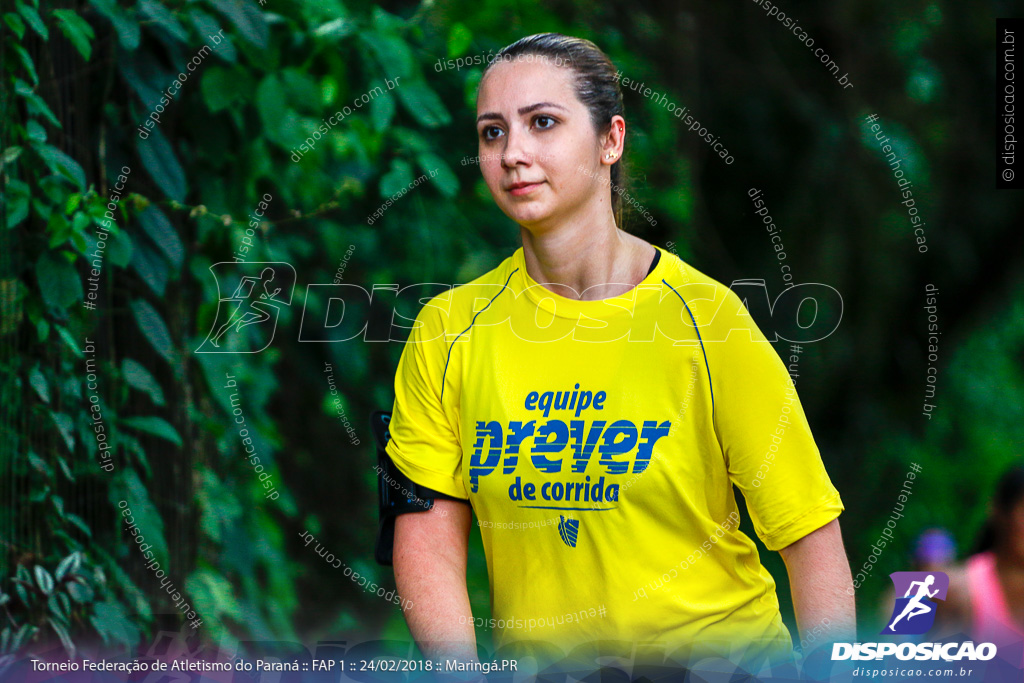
[(613, 141)]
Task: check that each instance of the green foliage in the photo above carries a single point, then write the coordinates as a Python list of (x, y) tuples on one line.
[(233, 131)]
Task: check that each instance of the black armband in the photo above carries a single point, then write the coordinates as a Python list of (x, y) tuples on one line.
[(396, 493)]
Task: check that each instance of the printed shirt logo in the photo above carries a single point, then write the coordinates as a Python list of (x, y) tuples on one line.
[(568, 529), (914, 613), (583, 456)]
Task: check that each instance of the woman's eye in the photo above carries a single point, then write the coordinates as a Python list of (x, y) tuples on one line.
[(539, 119), (486, 133)]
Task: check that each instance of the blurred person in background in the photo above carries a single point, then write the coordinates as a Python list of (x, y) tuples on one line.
[(986, 592)]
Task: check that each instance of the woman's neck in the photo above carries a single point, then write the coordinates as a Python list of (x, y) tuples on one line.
[(587, 263)]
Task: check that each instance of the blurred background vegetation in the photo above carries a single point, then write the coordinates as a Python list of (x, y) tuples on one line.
[(79, 78)]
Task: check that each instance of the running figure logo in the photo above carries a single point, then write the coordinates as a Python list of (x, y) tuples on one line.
[(914, 613), (256, 300)]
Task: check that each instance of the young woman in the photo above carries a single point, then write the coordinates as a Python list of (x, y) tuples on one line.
[(534, 403)]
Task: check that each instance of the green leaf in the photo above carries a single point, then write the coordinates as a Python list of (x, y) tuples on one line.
[(15, 23), (424, 104), (10, 154), (382, 111), (127, 26), (207, 26), (119, 249), (17, 202), (113, 624), (247, 18), (164, 18), (61, 164), (44, 580), (76, 30), (66, 428), (59, 283), (65, 639), (69, 340), (35, 131), (392, 53), (24, 634), (459, 39), (271, 102), (33, 19), (38, 382), (26, 61), (34, 103), (128, 487), (445, 180), (80, 523), (140, 378), (163, 234), (336, 29), (397, 179), (162, 165), (149, 264), (157, 426), (60, 607), (69, 565), (153, 328), (65, 468), (302, 90), (222, 87), (80, 592), (39, 464)]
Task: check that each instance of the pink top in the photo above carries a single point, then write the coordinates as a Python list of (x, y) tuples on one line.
[(991, 620)]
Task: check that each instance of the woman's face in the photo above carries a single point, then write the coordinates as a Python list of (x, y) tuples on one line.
[(534, 135)]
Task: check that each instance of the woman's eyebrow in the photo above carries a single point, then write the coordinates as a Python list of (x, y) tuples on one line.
[(520, 111)]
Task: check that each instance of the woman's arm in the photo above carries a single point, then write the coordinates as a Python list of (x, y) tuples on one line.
[(821, 583), (430, 571)]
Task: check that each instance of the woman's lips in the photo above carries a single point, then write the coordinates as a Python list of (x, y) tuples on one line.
[(524, 189)]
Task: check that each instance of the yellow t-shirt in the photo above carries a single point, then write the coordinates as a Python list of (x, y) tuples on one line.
[(598, 443)]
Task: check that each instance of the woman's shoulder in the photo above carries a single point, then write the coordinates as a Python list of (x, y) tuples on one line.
[(457, 304)]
